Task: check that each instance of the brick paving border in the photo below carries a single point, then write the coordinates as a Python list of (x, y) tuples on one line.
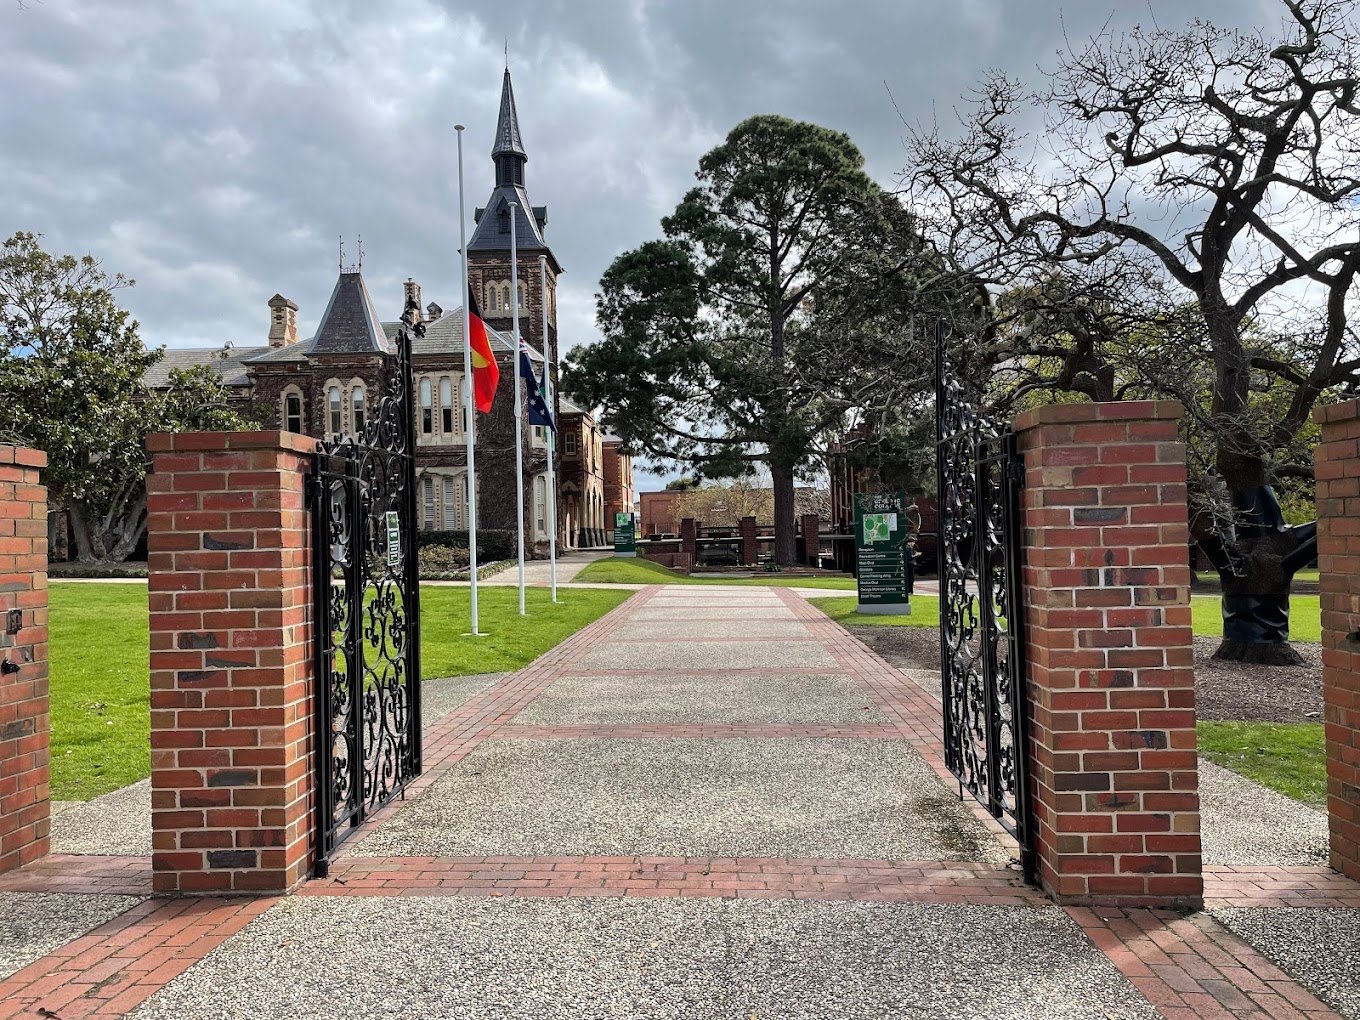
[(118, 965), (1186, 966), (1193, 968)]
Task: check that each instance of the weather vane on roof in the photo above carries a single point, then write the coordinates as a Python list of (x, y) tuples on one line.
[(356, 266)]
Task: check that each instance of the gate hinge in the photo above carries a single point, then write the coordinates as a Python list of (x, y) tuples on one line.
[(1015, 470)]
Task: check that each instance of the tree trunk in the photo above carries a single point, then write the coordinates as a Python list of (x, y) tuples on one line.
[(1256, 559), (785, 533)]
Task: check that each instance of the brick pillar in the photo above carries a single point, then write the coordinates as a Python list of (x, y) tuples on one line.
[(231, 715), (750, 542), (1114, 773), (811, 527), (689, 539), (1337, 460), (24, 727)]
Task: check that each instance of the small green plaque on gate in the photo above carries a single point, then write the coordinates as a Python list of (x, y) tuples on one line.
[(883, 553), (393, 539)]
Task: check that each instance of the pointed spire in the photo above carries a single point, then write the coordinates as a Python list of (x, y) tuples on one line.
[(508, 141)]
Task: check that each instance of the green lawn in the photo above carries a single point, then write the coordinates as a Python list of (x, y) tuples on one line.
[(1288, 757), (925, 612), (101, 690), (1305, 617), (636, 570)]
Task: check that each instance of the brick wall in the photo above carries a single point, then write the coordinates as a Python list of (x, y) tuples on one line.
[(1337, 461), (1114, 772), (750, 542), (231, 718), (24, 727), (689, 538)]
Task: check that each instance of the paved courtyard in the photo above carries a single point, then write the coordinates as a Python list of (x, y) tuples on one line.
[(713, 802)]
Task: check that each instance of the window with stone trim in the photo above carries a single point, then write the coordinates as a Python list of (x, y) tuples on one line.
[(291, 418), (426, 407), (570, 444), (443, 501), (335, 411), (357, 408)]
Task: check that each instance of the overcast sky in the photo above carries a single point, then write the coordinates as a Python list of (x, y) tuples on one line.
[(215, 150)]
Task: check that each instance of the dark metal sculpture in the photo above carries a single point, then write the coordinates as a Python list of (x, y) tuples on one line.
[(366, 604), (986, 730)]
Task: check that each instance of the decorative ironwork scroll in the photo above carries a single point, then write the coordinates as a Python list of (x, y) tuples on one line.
[(986, 728), (366, 608)]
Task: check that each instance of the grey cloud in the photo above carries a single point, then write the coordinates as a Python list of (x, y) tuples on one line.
[(215, 151)]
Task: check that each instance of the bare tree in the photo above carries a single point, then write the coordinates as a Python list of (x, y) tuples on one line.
[(1198, 168)]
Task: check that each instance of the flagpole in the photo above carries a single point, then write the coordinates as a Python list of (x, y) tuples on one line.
[(467, 387), (519, 404), (549, 433)]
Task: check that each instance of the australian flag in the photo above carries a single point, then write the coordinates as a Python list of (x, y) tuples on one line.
[(538, 404)]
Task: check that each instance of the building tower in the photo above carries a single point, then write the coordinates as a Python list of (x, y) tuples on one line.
[(489, 277)]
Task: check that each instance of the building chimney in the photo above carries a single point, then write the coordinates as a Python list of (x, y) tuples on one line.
[(412, 298), (282, 321)]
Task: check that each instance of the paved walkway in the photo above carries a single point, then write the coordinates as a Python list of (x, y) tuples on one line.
[(711, 803)]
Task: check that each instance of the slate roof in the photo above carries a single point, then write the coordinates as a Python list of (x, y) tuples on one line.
[(570, 408), (508, 139), (350, 325), (487, 236), (445, 336), (230, 369)]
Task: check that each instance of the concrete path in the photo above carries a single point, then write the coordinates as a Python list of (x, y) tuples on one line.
[(712, 803), (537, 572)]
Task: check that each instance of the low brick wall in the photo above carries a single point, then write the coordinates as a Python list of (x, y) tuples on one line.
[(24, 706), (231, 708), (1337, 461), (1110, 656)]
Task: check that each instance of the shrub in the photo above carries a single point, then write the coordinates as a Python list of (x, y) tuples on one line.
[(442, 559), (492, 543)]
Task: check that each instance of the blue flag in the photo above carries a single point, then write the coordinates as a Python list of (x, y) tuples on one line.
[(538, 404)]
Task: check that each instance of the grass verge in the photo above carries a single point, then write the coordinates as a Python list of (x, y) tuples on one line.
[(636, 570), (1288, 757), (1305, 618), (100, 685), (925, 612)]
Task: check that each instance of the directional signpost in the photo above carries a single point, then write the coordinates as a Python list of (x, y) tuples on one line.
[(625, 542), (883, 554)]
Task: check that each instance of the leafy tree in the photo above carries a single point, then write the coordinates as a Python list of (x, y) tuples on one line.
[(71, 373), (770, 310), (681, 484), (1196, 169)]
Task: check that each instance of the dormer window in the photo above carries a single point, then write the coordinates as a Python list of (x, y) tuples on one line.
[(504, 217)]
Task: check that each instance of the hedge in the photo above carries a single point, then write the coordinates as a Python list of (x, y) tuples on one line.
[(492, 543)]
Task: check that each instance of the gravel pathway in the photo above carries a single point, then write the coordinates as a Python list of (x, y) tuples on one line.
[(34, 924), (678, 698), (115, 823), (1243, 822), (650, 959), (1321, 948), (678, 656), (770, 797)]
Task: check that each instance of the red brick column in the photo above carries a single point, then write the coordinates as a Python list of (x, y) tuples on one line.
[(750, 542), (1114, 773), (689, 539), (24, 727), (231, 721), (1337, 460), (811, 527)]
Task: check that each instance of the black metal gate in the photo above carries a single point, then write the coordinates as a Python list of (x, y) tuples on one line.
[(986, 725), (366, 611)]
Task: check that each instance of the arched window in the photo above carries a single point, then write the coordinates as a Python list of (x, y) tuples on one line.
[(491, 296), (357, 402), (426, 409), (292, 413), (337, 411), (446, 405), (523, 297), (505, 297), (541, 504), (504, 217)]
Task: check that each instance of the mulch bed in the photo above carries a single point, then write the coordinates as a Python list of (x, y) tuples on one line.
[(1223, 690)]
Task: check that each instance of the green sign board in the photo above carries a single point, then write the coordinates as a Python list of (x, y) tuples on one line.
[(625, 542), (883, 553), (393, 539)]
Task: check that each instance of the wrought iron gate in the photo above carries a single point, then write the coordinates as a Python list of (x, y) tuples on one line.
[(366, 611), (981, 631)]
